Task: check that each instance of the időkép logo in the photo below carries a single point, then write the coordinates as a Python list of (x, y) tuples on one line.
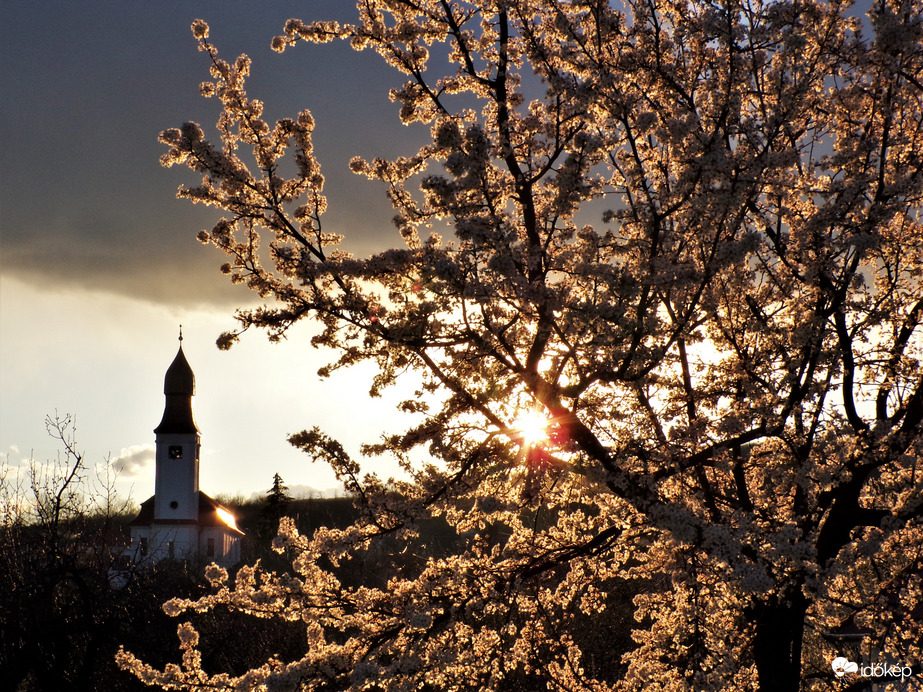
[(841, 666)]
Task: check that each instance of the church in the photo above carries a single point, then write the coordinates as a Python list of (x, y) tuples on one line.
[(180, 521)]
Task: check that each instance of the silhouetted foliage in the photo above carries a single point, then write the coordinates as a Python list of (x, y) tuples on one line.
[(60, 619)]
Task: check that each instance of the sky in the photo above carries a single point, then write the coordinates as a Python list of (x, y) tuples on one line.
[(99, 264)]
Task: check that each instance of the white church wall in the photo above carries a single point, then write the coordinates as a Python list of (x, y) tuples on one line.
[(217, 545), (176, 480)]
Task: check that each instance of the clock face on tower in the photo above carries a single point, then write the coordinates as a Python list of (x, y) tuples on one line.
[(175, 452)]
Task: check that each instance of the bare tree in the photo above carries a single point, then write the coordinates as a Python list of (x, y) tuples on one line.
[(59, 538)]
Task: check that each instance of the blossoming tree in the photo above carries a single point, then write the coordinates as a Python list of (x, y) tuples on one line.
[(685, 236)]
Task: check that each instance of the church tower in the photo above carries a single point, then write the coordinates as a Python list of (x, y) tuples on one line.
[(176, 479), (180, 522)]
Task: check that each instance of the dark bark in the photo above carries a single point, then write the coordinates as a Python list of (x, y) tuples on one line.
[(777, 647)]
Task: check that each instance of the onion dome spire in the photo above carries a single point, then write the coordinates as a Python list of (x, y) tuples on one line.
[(178, 388)]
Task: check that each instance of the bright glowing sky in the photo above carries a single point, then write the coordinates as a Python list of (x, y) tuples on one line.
[(99, 262)]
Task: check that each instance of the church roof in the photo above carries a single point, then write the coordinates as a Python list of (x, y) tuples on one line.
[(211, 513), (179, 378), (178, 387)]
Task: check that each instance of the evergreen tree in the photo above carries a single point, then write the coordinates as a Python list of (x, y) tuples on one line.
[(277, 496), (276, 507)]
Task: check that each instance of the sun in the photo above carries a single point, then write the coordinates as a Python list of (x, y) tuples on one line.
[(532, 428)]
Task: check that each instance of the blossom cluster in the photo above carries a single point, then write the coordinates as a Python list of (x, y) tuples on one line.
[(689, 236)]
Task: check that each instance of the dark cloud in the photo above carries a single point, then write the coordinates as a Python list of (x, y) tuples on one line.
[(190, 279), (83, 200)]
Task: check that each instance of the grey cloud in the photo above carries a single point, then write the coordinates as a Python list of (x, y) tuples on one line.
[(134, 460)]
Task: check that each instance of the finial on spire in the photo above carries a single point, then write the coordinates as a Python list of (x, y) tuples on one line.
[(181, 332)]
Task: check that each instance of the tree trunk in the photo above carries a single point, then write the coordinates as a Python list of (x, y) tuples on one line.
[(777, 647)]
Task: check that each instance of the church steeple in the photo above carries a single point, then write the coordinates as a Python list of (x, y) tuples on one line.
[(178, 388), (176, 478), (179, 521)]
